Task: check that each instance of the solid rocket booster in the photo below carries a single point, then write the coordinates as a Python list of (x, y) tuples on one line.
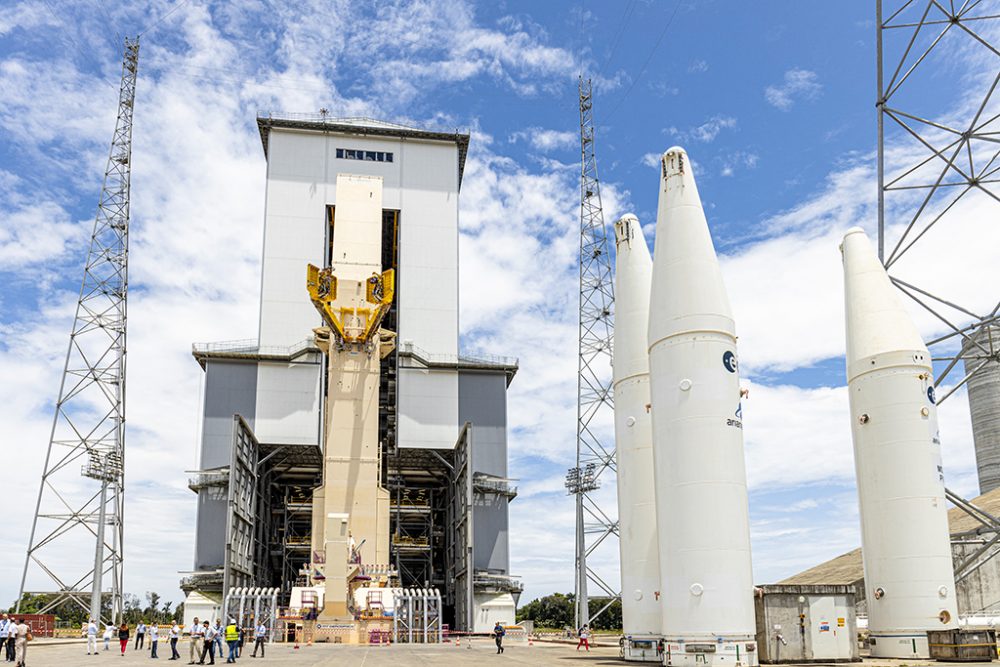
[(640, 567), (701, 493), (909, 580)]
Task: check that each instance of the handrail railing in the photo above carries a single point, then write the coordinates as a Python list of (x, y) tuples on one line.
[(407, 348)]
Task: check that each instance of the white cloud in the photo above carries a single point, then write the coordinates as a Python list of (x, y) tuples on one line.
[(803, 241), (698, 66), (546, 140), (34, 233), (651, 159), (521, 228), (662, 89), (707, 131), (738, 160), (22, 15), (434, 43), (798, 84)]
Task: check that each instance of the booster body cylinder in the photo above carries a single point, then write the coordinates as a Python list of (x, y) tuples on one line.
[(701, 492), (640, 567), (909, 577)]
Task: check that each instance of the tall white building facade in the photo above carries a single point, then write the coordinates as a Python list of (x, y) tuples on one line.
[(432, 466)]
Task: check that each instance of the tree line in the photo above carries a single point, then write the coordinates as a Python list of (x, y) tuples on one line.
[(150, 610), (557, 611)]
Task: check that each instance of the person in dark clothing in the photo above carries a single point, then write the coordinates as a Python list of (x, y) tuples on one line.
[(208, 647), (123, 637), (175, 633), (498, 633), (261, 636)]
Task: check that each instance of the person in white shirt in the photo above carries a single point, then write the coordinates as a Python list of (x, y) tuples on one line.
[(197, 637), (109, 632), (154, 637), (11, 638), (260, 636), (175, 633), (140, 634), (21, 648), (90, 630), (5, 625)]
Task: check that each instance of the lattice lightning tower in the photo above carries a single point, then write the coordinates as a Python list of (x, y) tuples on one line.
[(595, 454), (88, 430), (947, 154), (938, 171)]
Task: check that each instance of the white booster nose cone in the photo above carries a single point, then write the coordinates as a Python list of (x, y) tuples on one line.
[(906, 546), (640, 567), (701, 494)]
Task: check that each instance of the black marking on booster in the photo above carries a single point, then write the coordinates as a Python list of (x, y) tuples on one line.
[(729, 361)]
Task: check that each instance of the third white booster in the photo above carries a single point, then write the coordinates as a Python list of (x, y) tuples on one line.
[(640, 567), (701, 492), (909, 580)]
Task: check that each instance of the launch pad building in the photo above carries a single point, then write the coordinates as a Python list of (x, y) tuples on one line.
[(441, 453)]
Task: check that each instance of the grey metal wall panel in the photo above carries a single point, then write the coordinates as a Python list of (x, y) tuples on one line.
[(491, 545), (210, 537), (427, 414), (230, 388), (482, 400), (289, 402)]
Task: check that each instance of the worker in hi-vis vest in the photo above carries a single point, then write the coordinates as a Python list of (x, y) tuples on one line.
[(233, 639)]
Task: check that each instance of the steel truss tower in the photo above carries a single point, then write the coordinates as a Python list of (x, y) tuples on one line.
[(595, 453), (944, 156), (73, 516), (938, 159)]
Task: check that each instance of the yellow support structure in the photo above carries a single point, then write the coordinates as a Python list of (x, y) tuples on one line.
[(380, 290)]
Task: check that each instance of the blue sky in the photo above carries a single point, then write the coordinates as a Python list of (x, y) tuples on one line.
[(773, 101)]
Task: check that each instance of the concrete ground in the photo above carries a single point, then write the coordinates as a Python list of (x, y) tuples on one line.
[(480, 653)]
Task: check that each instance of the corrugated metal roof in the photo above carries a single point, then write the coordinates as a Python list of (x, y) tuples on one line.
[(848, 569)]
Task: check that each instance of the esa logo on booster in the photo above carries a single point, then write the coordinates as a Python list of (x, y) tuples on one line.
[(729, 361)]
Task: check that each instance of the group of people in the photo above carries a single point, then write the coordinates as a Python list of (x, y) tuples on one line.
[(14, 637), (91, 632), (583, 633), (206, 639)]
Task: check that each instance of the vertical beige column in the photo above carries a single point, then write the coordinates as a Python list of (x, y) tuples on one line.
[(352, 507)]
